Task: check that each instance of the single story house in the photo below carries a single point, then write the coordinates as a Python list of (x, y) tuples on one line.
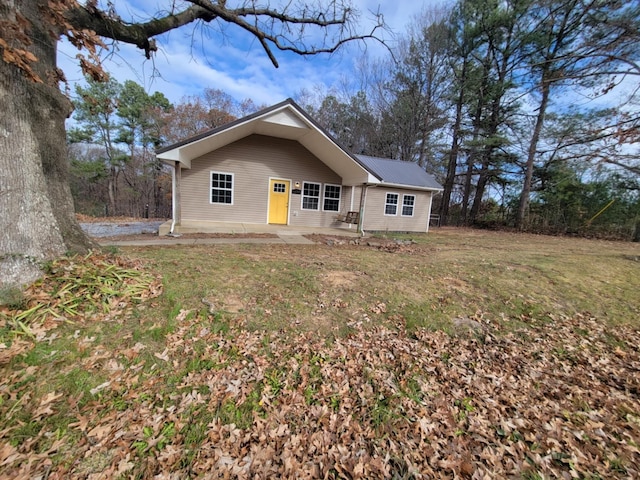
[(278, 166)]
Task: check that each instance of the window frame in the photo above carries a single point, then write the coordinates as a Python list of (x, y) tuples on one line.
[(412, 206), (324, 197), (387, 204), (211, 188), (319, 197), (278, 182)]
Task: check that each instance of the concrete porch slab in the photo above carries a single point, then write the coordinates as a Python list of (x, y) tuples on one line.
[(248, 228)]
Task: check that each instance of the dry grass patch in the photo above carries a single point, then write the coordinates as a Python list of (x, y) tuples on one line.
[(341, 279)]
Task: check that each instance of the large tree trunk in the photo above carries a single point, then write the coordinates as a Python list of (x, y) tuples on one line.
[(483, 180), (525, 194), (466, 194), (38, 221), (452, 166)]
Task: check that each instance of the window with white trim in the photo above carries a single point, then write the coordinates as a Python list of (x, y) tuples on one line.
[(222, 188), (310, 196), (331, 198), (408, 203), (391, 204)]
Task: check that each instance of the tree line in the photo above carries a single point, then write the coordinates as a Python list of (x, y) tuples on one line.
[(116, 130), (525, 110)]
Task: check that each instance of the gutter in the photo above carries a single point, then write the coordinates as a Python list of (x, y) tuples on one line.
[(410, 187)]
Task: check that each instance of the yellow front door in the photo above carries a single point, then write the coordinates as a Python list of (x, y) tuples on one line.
[(279, 201)]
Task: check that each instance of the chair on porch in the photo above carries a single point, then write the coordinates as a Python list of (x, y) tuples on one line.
[(349, 217)]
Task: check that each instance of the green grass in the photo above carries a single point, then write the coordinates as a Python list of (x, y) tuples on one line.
[(505, 278), (169, 363), (241, 413)]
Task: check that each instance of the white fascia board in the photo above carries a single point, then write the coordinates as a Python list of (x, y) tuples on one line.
[(185, 153), (170, 156), (175, 155), (359, 180)]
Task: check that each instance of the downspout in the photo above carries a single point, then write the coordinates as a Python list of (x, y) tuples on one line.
[(173, 197)]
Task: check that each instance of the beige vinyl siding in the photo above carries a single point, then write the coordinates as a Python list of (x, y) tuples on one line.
[(376, 220), (253, 161)]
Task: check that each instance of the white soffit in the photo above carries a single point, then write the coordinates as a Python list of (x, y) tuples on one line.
[(287, 118)]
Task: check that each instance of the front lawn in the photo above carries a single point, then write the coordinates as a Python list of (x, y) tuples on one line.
[(466, 354)]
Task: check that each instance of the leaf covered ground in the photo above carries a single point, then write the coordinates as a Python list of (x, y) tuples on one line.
[(163, 391)]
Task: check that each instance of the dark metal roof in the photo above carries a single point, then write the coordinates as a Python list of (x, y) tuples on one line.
[(398, 172)]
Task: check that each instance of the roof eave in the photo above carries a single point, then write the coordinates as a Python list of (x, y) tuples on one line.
[(410, 187)]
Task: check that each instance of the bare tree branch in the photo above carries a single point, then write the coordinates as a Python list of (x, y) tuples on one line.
[(253, 19), (138, 34)]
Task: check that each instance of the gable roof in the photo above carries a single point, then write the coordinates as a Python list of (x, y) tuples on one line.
[(289, 121), (399, 173), (283, 120)]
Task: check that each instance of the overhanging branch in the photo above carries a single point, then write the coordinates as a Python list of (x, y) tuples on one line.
[(254, 20), (138, 34)]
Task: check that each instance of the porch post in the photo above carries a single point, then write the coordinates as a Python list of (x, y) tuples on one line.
[(177, 193), (363, 197), (175, 196), (429, 212)]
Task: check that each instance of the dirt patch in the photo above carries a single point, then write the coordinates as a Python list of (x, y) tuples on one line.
[(340, 279), (385, 244), (262, 256), (230, 304), (333, 240)]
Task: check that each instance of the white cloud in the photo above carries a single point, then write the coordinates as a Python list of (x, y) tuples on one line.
[(225, 57)]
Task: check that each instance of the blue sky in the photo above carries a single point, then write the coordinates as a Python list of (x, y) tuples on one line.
[(226, 58)]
